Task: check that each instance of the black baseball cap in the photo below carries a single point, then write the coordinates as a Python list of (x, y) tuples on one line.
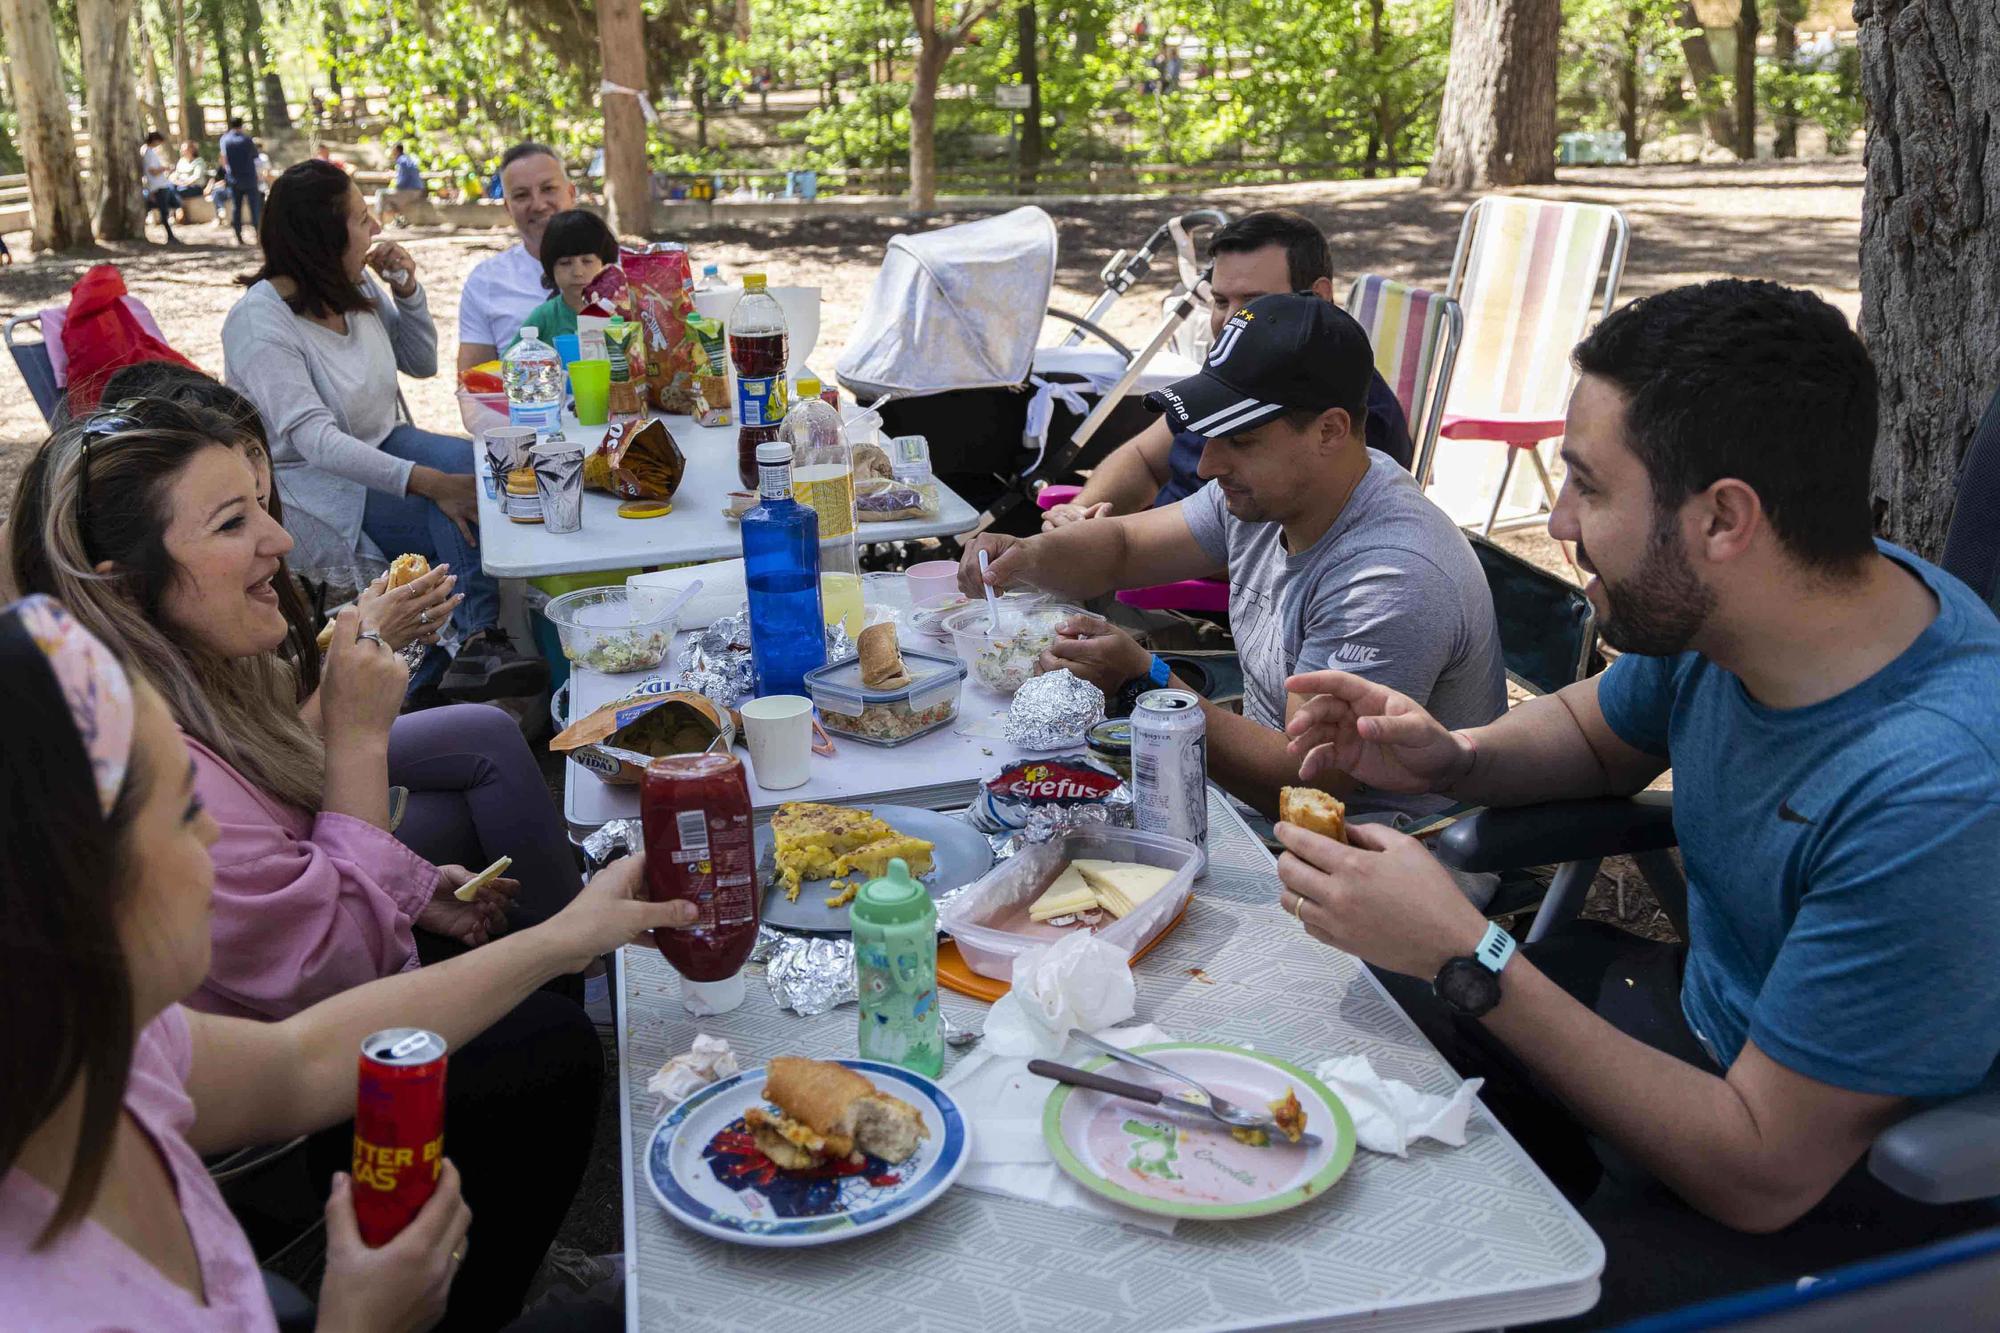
[(1279, 353)]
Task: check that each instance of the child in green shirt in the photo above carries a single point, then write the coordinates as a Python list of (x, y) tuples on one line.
[(576, 247)]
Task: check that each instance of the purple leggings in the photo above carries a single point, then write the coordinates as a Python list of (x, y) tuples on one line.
[(476, 795)]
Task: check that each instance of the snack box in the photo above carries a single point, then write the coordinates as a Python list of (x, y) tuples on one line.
[(990, 920), (887, 717)]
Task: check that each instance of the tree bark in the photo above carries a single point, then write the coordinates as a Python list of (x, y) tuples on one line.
[(1031, 77), (1628, 84), (149, 69), (1785, 52), (1498, 122), (104, 32), (184, 87), (1930, 248), (221, 40), (1706, 74), (59, 219), (621, 36), (1746, 80), (935, 43)]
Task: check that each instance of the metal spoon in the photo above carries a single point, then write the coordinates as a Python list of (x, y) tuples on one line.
[(956, 1037)]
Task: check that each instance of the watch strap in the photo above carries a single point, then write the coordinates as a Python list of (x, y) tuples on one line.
[(1158, 673), (1496, 948)]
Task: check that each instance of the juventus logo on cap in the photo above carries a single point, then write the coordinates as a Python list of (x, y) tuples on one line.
[(1224, 345)]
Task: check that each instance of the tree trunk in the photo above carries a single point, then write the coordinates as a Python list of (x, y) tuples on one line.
[(1785, 51), (184, 89), (923, 121), (1628, 83), (621, 37), (1930, 247), (1706, 75), (149, 69), (1498, 122), (59, 219), (1746, 80), (1031, 77), (1378, 128), (104, 32), (221, 40)]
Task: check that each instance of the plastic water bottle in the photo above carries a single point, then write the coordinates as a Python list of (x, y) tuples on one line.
[(781, 569), (760, 349), (711, 279), (895, 970), (533, 374), (823, 477)]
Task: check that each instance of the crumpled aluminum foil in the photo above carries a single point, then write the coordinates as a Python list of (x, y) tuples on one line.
[(613, 840), (810, 974), (1046, 822), (1053, 710), (839, 647), (715, 663)]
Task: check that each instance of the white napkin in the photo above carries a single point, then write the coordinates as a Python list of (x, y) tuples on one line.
[(1077, 982), (681, 1077), (1389, 1115), (1009, 1156)]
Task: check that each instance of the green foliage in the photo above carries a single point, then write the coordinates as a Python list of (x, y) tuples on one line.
[(1828, 96), (1605, 42)]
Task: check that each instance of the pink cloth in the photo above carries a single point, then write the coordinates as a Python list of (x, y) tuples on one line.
[(306, 905), (89, 1281), (52, 324)]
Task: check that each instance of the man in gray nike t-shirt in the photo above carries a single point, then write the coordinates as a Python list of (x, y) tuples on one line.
[(1333, 555)]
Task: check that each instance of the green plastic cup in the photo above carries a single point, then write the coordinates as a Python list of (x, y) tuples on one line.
[(591, 382)]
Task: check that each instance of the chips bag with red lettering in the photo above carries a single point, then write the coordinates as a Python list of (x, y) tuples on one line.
[(661, 286), (1021, 792)]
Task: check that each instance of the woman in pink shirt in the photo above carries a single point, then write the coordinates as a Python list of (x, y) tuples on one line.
[(131, 521), (107, 1218)]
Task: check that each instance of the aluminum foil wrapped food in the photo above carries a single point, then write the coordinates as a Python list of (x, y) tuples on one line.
[(1007, 800), (614, 840), (715, 663), (811, 975), (839, 646), (1052, 711), (1046, 822)]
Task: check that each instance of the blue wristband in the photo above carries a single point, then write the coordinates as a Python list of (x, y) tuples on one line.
[(1159, 673)]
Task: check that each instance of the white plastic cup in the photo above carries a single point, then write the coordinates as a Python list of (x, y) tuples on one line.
[(778, 728)]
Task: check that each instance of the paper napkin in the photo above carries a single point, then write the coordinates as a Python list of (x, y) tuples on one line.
[(1390, 1115)]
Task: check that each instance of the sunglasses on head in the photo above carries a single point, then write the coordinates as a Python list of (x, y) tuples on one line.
[(102, 424)]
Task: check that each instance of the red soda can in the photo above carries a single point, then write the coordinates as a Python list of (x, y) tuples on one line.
[(398, 1130)]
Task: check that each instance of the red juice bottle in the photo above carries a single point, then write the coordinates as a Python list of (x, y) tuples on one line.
[(700, 846), (760, 349)]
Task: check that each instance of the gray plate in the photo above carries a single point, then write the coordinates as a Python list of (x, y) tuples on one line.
[(960, 852)]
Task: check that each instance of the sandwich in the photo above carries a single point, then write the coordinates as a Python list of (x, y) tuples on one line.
[(829, 1113), (881, 658), (1313, 810), (405, 568)]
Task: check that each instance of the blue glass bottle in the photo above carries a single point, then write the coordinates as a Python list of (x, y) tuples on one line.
[(781, 567)]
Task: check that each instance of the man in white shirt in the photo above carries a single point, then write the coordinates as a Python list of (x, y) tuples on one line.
[(500, 291)]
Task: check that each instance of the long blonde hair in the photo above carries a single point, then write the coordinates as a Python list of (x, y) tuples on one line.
[(97, 492)]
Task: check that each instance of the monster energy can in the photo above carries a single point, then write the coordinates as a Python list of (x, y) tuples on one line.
[(1170, 765)]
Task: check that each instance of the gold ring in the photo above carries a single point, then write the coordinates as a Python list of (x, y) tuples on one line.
[(1298, 908), (458, 1255)]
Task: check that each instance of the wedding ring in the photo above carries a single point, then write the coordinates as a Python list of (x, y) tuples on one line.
[(458, 1255), (423, 617), (372, 635)]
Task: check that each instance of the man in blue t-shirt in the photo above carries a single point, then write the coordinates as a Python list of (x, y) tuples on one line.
[(239, 166), (1265, 253), (1830, 705)]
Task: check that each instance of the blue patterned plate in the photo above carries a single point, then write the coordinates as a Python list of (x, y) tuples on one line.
[(707, 1173)]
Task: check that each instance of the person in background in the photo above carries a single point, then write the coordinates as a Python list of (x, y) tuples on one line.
[(503, 288), (115, 1091), (322, 153), (406, 185), (157, 182), (576, 247), (316, 344), (190, 172), (1259, 254), (1830, 706), (240, 156)]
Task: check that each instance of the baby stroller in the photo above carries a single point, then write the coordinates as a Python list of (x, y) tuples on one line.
[(946, 349)]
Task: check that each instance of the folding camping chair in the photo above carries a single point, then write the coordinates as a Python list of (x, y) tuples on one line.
[(1948, 1153), (1527, 273), (37, 372)]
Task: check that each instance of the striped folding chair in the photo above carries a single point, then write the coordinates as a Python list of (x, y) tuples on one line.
[(1415, 333), (1527, 273)]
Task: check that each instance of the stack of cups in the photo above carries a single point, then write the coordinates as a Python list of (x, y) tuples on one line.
[(559, 483)]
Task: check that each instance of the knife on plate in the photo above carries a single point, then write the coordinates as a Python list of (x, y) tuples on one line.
[(1139, 1092)]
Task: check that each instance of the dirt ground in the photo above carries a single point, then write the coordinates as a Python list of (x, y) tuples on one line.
[(1795, 223)]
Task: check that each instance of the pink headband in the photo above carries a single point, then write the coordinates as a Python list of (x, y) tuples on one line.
[(93, 684)]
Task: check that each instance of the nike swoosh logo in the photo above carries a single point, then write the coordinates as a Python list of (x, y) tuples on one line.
[(1789, 815)]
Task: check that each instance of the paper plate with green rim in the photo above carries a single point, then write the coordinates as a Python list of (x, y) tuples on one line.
[(1183, 1165)]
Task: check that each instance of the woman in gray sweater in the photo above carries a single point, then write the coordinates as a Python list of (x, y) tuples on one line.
[(316, 343)]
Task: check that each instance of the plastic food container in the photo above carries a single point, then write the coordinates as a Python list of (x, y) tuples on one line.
[(602, 630), (891, 716), (990, 919), (1001, 662)]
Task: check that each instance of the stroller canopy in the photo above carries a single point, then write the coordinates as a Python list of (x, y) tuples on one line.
[(956, 308)]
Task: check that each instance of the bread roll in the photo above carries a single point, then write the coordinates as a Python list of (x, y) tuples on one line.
[(882, 665), (405, 568), (1312, 809), (830, 1111)]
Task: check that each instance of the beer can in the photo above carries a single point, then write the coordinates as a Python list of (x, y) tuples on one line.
[(1170, 765), (398, 1129)]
